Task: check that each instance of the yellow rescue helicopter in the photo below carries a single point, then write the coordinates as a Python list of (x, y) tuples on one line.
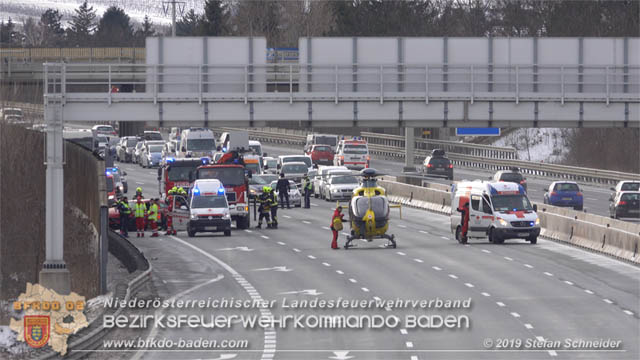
[(369, 211)]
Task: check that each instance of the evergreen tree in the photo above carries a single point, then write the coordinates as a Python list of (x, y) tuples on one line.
[(82, 26), (215, 21), (8, 34), (145, 31), (189, 25), (52, 28), (114, 28)]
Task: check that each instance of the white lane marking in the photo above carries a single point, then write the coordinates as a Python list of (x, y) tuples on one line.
[(588, 291), (486, 251), (553, 353), (365, 289), (508, 258), (539, 338), (436, 268), (287, 216), (593, 199), (453, 276), (264, 236), (628, 312), (139, 182), (281, 243), (515, 314), (353, 280), (568, 282), (528, 326), (501, 304), (311, 257), (414, 357), (314, 204), (409, 344), (548, 273), (467, 245), (326, 228), (306, 222), (249, 231), (237, 276), (403, 331), (326, 264), (347, 234), (444, 237), (275, 268), (607, 301), (340, 272), (418, 260), (485, 294), (528, 266), (470, 285), (400, 253), (424, 232), (296, 250), (238, 248), (376, 298), (402, 226)]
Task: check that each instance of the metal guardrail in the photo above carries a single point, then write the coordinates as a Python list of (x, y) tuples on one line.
[(351, 82)]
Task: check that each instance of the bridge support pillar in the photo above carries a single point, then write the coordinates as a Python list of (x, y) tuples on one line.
[(409, 143), (54, 274)]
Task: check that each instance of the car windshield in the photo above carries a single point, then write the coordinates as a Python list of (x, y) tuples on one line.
[(253, 167), (303, 159), (294, 168), (269, 177), (439, 161), (180, 173), (516, 202), (101, 139), (105, 128), (356, 149), (272, 163), (152, 136), (256, 149), (630, 197), (229, 176), (322, 148), (511, 177), (199, 202), (326, 140), (566, 187), (131, 142), (201, 144), (343, 179), (257, 180), (155, 148), (630, 186)]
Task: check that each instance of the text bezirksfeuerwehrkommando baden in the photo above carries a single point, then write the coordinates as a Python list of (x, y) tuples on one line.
[(284, 303)]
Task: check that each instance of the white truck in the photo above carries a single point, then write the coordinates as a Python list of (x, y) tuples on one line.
[(196, 142)]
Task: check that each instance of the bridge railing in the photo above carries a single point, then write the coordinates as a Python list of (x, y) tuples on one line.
[(411, 82)]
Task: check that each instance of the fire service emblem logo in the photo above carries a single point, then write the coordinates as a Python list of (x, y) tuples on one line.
[(36, 330)]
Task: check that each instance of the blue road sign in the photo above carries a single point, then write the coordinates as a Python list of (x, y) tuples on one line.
[(478, 131)]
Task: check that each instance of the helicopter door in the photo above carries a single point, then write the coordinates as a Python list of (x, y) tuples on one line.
[(180, 213)]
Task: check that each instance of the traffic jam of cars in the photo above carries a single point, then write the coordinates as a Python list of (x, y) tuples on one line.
[(331, 164)]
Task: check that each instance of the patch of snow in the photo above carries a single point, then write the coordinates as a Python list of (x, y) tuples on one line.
[(547, 145), (9, 343)]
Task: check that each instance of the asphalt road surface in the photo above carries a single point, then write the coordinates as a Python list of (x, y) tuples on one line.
[(519, 292)]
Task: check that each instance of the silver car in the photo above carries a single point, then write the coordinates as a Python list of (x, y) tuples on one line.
[(295, 198), (152, 155), (340, 187)]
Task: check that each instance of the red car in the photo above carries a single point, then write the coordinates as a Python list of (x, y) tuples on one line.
[(114, 216), (321, 154)]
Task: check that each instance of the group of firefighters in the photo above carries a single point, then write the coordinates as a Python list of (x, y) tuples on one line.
[(268, 201), (141, 212)]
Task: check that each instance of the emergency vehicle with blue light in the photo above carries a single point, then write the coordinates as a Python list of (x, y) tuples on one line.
[(207, 207), (352, 153)]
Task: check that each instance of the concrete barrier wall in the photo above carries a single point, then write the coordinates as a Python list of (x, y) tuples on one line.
[(613, 237)]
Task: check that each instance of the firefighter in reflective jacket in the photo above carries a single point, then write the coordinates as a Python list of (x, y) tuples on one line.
[(273, 202), (170, 230), (140, 212), (464, 221), (154, 217), (139, 192), (265, 207), (125, 212)]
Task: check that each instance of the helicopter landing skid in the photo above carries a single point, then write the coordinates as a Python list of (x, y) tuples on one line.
[(391, 243)]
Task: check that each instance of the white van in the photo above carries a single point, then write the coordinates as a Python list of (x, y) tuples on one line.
[(353, 153), (208, 208), (497, 210), (196, 142)]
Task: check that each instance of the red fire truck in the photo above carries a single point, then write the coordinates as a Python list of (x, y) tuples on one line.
[(230, 171), (176, 172)]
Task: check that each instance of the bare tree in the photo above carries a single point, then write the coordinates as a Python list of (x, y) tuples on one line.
[(305, 18)]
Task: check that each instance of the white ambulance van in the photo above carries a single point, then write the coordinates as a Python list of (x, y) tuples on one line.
[(196, 142), (208, 208), (497, 210)]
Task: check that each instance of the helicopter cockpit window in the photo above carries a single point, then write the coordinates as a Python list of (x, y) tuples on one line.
[(369, 183), (380, 207), (361, 205)]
